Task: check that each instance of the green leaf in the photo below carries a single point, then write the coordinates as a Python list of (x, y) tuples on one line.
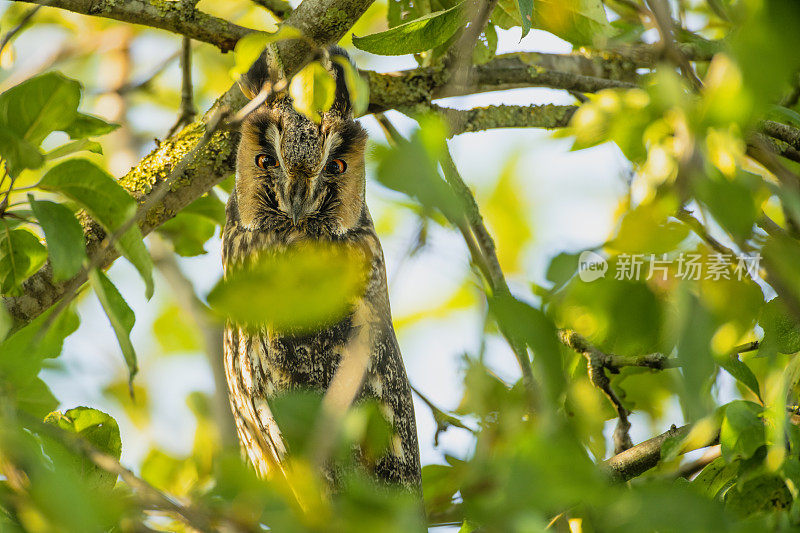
[(249, 47), (525, 15), (35, 398), (25, 349), (780, 327), (486, 47), (742, 431), (717, 477), (742, 373), (762, 494), (415, 36), (107, 202), (21, 254), (18, 153), (39, 106), (72, 147), (299, 289), (562, 267), (119, 314), (313, 90), (208, 206), (581, 22), (528, 326), (188, 233), (84, 126), (64, 236), (100, 430)]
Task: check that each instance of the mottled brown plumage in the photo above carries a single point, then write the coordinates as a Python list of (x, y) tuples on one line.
[(290, 188)]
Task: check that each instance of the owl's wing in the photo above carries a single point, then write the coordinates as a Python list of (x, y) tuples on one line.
[(259, 434)]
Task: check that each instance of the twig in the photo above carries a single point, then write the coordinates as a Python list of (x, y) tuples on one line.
[(16, 29), (665, 25), (686, 216), (597, 362), (144, 82), (443, 420), (188, 111), (782, 132)]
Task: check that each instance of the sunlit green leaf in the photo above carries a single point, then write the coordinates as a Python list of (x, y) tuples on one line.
[(742, 373), (415, 36), (101, 431), (313, 90), (300, 289), (25, 349), (18, 153), (249, 47)]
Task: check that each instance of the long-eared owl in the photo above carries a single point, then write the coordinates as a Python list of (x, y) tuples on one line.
[(297, 181)]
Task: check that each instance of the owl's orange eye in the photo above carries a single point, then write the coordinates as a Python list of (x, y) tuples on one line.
[(266, 161), (336, 166)]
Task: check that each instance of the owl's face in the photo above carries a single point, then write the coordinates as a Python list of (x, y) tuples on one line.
[(293, 174)]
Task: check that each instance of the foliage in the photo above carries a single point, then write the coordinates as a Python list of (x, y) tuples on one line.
[(688, 313)]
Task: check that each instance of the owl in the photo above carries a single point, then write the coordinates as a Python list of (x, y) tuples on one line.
[(301, 181)]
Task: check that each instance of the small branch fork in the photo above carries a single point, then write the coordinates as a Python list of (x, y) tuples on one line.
[(598, 362)]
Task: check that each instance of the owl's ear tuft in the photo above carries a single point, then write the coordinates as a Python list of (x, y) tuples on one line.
[(341, 101), (254, 79)]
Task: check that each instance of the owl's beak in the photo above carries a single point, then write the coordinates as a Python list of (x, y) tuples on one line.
[(297, 210), (298, 206)]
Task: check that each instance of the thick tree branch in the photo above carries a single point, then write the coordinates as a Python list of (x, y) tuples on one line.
[(177, 17), (572, 72)]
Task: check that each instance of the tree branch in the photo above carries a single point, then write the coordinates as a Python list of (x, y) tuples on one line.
[(644, 456), (546, 116), (177, 17)]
